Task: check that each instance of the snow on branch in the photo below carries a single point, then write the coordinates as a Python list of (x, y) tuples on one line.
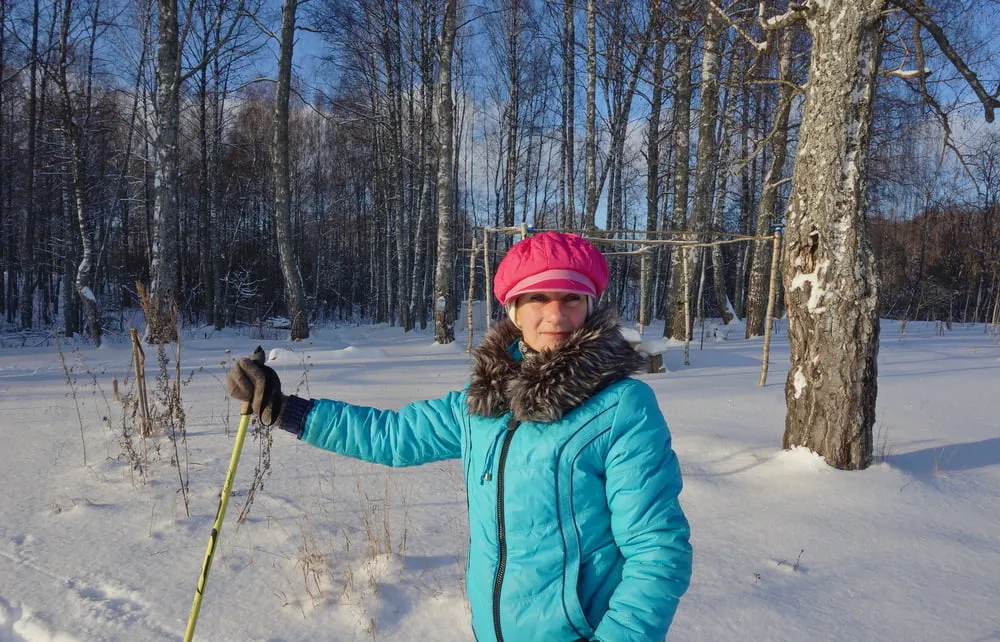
[(909, 74), (795, 12)]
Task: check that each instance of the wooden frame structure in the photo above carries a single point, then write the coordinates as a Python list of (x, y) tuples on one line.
[(685, 240)]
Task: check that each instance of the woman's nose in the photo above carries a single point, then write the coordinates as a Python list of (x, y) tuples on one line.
[(555, 309)]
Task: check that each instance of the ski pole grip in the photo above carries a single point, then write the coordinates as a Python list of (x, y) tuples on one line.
[(257, 357)]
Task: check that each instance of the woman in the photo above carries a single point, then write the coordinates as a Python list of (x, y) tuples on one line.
[(575, 528)]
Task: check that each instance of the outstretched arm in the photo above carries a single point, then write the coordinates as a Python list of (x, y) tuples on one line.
[(418, 433)]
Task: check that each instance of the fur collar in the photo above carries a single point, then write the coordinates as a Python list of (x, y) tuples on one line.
[(546, 385)]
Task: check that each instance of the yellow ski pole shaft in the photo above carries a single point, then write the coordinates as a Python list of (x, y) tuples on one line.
[(220, 513)]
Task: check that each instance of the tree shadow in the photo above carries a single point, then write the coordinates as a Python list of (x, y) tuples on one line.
[(950, 457)]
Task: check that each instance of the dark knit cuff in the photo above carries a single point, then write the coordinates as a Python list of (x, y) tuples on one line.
[(293, 414)]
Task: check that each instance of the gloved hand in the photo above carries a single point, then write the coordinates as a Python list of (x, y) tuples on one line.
[(258, 385)]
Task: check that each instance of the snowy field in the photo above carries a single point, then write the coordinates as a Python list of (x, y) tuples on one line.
[(786, 548)]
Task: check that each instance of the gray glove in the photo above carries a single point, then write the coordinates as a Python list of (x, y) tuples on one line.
[(252, 382)]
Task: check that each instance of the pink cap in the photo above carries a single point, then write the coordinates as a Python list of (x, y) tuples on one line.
[(551, 262)]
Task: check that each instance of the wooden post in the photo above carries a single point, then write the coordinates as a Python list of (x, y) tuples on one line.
[(643, 292), (687, 307), (769, 317), (489, 277), (472, 290), (995, 322), (139, 364)]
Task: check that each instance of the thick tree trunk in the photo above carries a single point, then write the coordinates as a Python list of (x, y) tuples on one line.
[(444, 277), (294, 291), (761, 259), (164, 260), (829, 272)]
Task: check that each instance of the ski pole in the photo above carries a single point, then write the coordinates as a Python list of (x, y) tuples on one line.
[(220, 513)]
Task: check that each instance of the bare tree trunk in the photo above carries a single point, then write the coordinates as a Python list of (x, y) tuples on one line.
[(829, 271), (721, 182), (652, 178), (73, 132), (513, 113), (444, 277), (674, 325), (294, 291), (218, 313), (761, 260), (26, 302), (6, 255), (568, 89), (708, 150), (425, 212), (164, 259), (590, 144)]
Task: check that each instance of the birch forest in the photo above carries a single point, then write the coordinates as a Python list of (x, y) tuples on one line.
[(234, 161)]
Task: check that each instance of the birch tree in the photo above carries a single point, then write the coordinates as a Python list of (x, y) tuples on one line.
[(828, 271), (767, 210), (74, 130), (164, 254), (444, 277), (294, 291), (26, 302), (590, 143), (675, 324)]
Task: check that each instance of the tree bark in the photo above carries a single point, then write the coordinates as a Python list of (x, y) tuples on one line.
[(164, 260), (26, 301), (294, 291), (707, 158), (590, 144), (674, 325), (74, 135), (444, 277), (829, 272), (768, 212), (568, 89), (652, 180)]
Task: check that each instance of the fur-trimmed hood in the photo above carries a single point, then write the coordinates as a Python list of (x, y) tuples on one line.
[(549, 384)]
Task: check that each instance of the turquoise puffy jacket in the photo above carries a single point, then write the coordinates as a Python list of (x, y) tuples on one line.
[(574, 523)]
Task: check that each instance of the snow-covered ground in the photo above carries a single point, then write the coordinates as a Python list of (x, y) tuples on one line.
[(786, 548)]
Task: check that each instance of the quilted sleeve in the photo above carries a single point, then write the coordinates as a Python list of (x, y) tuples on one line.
[(649, 527), (418, 433)]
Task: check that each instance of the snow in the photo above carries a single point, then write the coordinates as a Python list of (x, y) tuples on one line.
[(786, 548), (813, 280), (799, 382)]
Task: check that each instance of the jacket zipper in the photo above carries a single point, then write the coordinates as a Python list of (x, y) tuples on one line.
[(501, 527)]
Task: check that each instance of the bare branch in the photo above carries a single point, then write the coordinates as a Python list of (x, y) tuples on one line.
[(990, 103), (759, 46)]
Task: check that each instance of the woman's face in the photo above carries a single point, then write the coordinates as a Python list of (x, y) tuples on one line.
[(546, 319)]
